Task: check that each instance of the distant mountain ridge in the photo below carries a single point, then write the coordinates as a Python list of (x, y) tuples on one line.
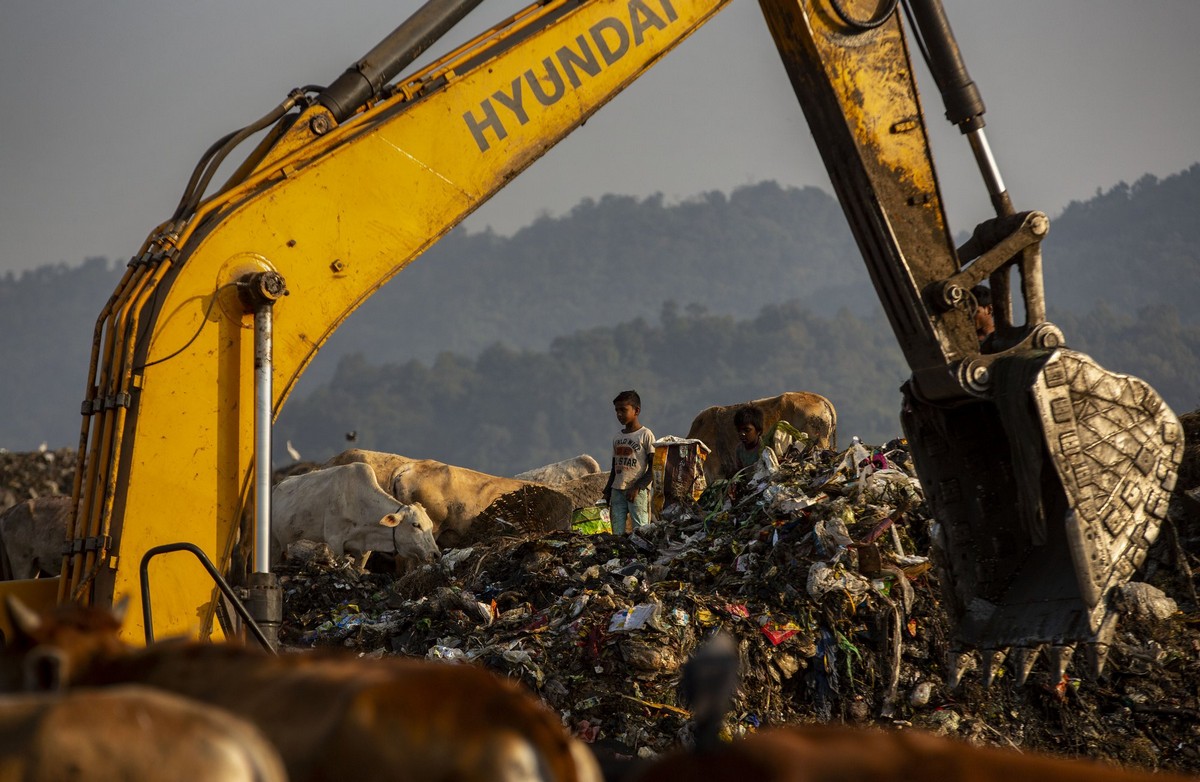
[(605, 261), (610, 261)]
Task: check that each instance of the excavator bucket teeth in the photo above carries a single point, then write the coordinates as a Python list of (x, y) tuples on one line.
[(1047, 496)]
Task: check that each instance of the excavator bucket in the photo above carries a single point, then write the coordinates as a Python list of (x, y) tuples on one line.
[(1048, 496), (1048, 476)]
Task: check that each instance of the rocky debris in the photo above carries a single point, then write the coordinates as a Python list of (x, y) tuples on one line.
[(27, 476), (820, 572)]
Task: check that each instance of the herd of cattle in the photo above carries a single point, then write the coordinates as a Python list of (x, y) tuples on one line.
[(79, 703), (367, 501)]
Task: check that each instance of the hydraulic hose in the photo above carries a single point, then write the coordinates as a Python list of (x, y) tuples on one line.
[(216, 154)]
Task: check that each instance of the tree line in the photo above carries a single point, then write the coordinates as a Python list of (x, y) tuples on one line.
[(509, 410), (771, 293)]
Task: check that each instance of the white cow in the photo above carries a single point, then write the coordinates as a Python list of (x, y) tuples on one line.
[(32, 534), (345, 508), (561, 472)]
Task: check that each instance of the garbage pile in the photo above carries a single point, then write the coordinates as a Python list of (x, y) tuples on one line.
[(821, 573), (1189, 471), (810, 569), (27, 476)]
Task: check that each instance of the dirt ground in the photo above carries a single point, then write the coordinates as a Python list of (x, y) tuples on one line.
[(599, 626)]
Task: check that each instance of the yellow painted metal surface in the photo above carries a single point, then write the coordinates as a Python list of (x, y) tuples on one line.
[(337, 219), (860, 97), (872, 74), (170, 443)]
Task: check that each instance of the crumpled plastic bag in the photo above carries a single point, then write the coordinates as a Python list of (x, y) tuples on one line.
[(832, 536), (823, 579), (634, 618), (888, 487), (782, 438), (449, 654), (766, 466)]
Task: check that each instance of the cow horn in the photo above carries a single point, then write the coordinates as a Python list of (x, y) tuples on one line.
[(23, 617)]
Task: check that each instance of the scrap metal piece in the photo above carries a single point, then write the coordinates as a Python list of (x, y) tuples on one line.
[(1096, 656), (1060, 659), (1023, 659), (993, 659), (958, 663)]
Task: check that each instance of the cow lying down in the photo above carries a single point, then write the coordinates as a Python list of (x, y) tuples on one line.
[(456, 497), (330, 716), (345, 507), (561, 472)]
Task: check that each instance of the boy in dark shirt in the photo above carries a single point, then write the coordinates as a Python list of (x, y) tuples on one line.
[(748, 420)]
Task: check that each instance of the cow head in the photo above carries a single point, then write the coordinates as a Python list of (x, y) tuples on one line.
[(412, 533), (48, 650)]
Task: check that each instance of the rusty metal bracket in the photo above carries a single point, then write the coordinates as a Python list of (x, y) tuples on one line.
[(80, 545), (994, 244)]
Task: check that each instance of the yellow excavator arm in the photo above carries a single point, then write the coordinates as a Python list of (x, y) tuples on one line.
[(1037, 462), (330, 208)]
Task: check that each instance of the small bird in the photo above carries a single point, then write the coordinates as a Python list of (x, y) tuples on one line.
[(292, 452), (352, 435)]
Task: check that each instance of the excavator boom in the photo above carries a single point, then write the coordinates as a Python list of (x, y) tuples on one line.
[(1047, 474)]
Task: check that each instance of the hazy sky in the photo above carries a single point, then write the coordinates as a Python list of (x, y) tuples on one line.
[(109, 105)]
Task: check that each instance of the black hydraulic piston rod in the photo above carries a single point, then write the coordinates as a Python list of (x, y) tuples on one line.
[(406, 43), (964, 108), (964, 104)]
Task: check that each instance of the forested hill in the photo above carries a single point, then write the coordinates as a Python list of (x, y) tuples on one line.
[(1134, 246), (609, 262), (510, 410)]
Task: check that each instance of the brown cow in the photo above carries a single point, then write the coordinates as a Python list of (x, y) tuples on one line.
[(835, 753), (812, 414), (129, 733), (454, 497), (330, 716), (32, 534)]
